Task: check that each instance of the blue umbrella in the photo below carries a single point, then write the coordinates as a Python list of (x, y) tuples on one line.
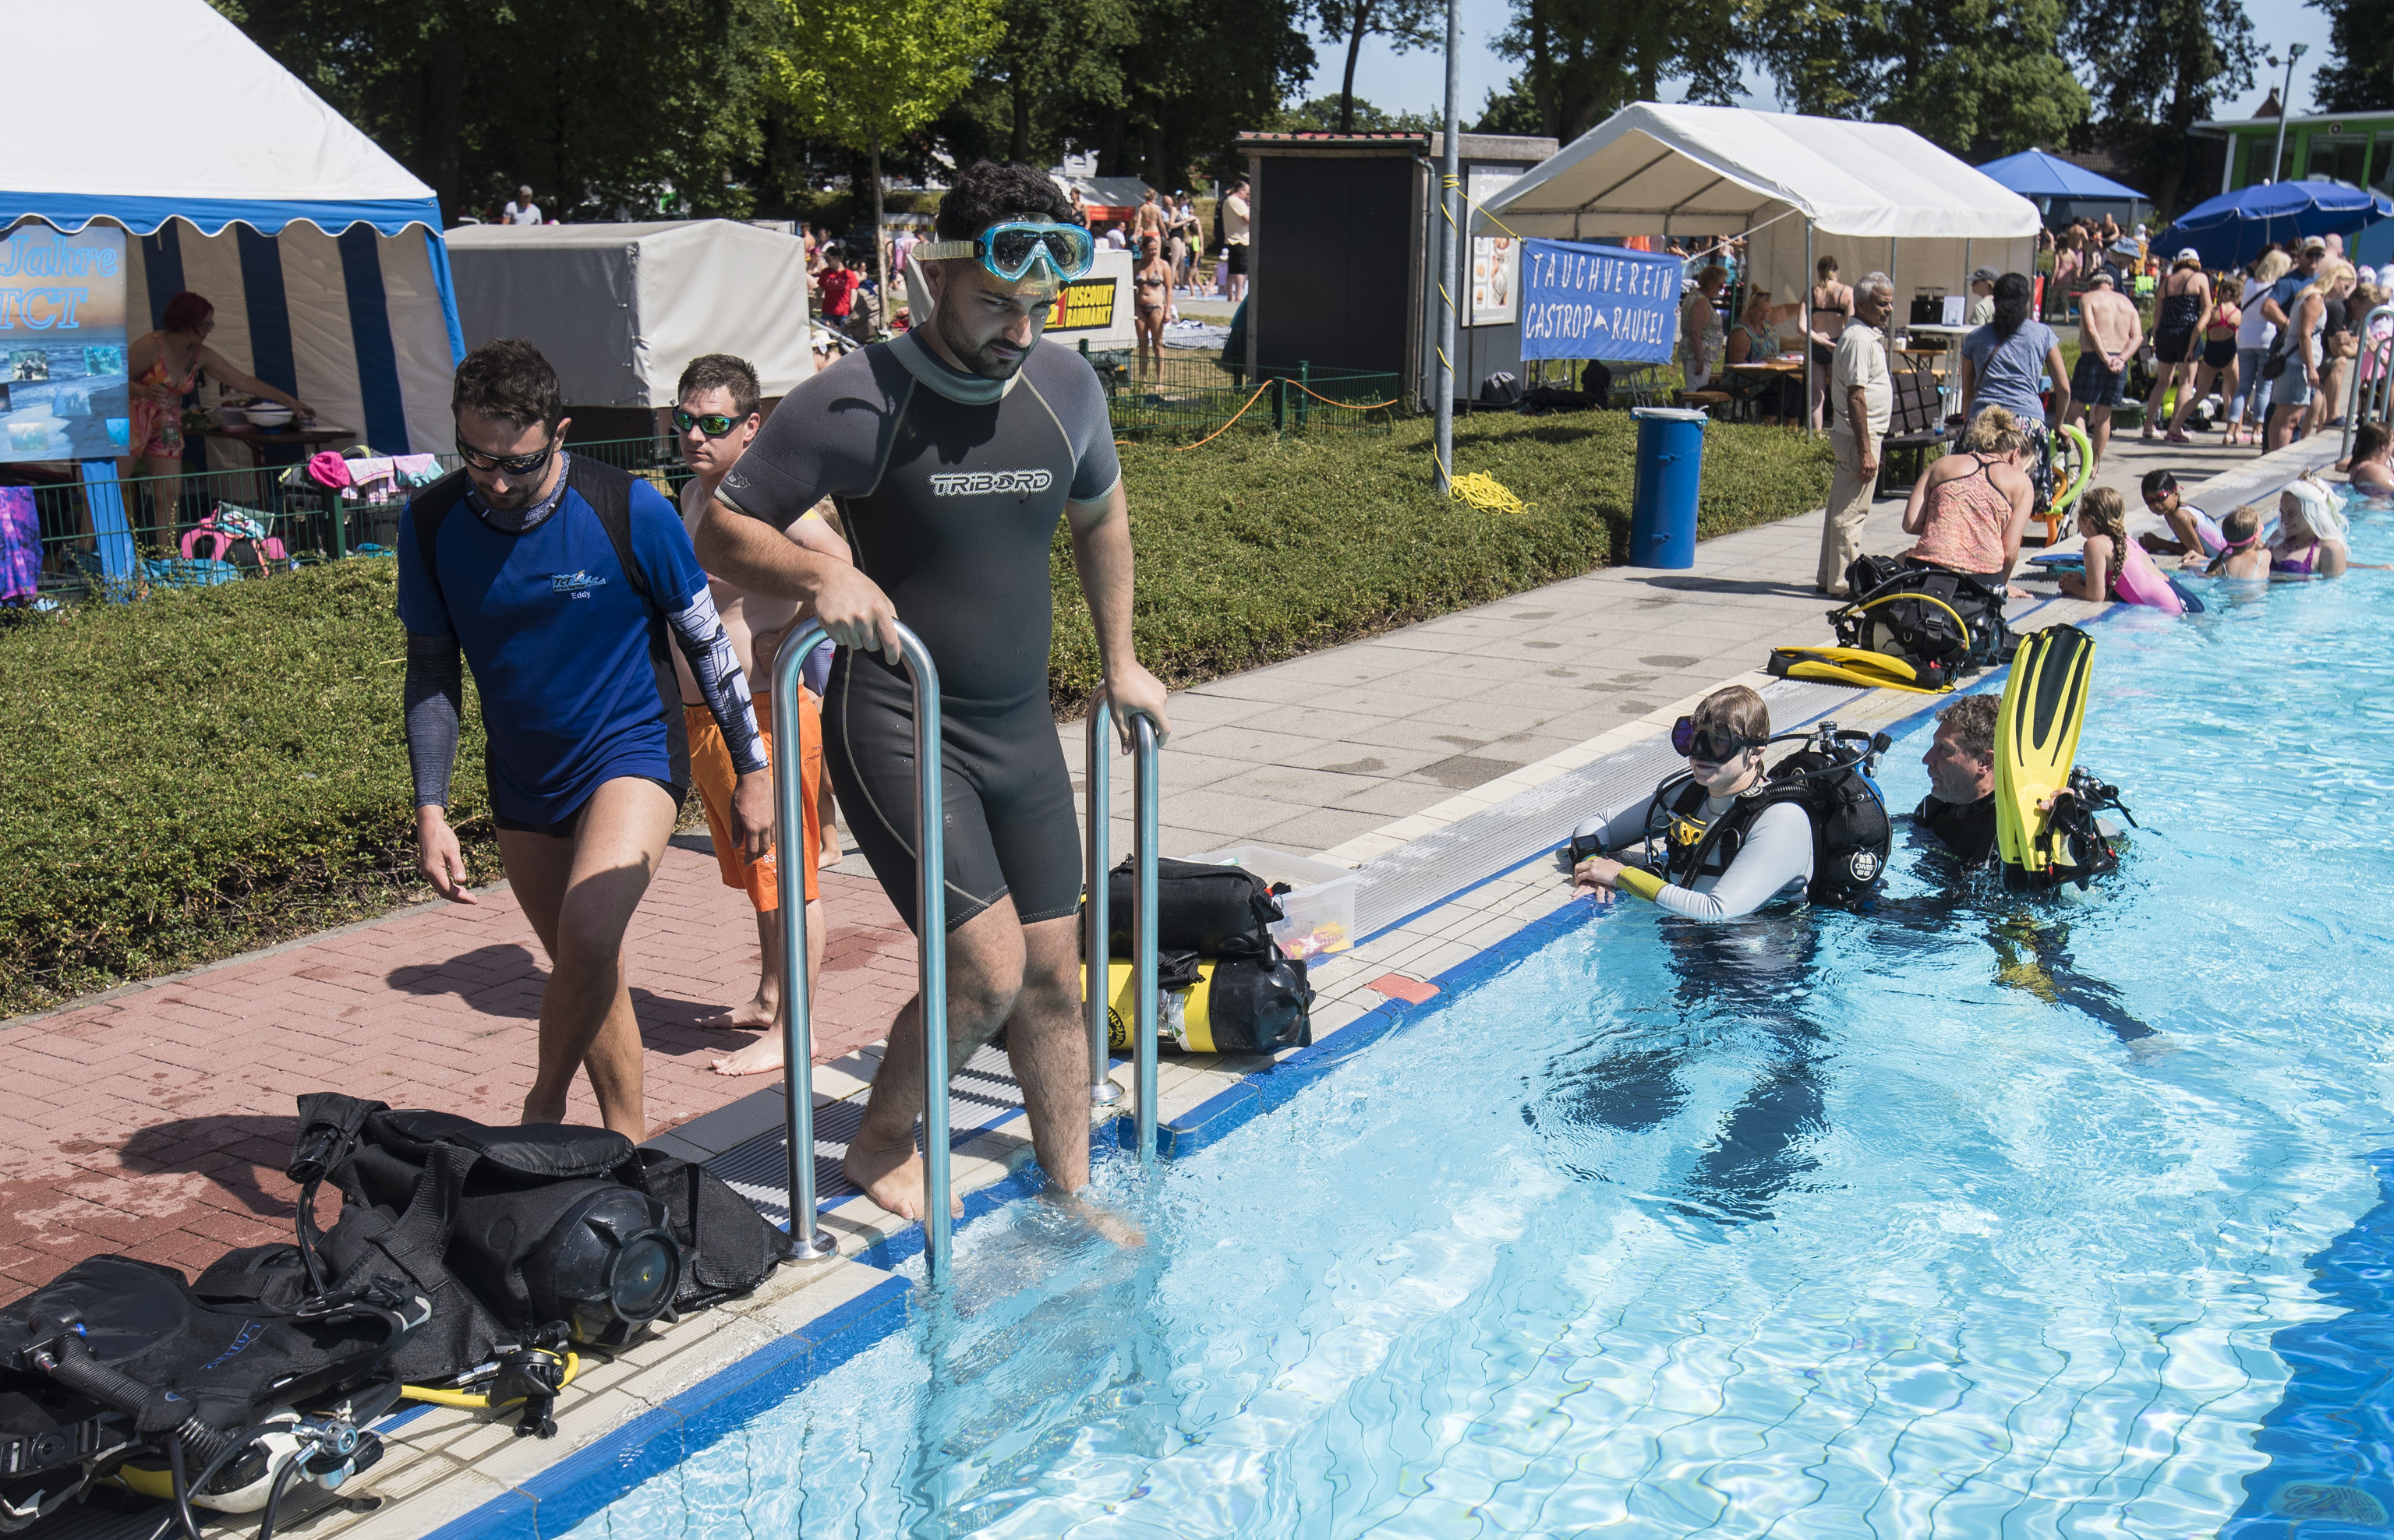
[(2035, 174), (2231, 230)]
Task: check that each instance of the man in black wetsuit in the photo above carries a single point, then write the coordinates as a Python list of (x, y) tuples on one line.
[(952, 451), (1960, 807)]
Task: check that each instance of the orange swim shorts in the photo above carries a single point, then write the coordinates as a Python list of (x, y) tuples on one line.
[(710, 770)]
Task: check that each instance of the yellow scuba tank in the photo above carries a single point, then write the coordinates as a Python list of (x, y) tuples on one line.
[(1227, 1005)]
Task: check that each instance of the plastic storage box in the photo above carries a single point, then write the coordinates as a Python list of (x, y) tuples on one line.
[(1320, 905)]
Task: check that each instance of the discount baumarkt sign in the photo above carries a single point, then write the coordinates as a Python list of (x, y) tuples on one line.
[(1096, 307)]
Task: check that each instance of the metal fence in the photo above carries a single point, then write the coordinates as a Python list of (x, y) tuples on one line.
[(168, 543), (1183, 397)]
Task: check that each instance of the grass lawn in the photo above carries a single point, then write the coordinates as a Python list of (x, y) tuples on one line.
[(210, 771)]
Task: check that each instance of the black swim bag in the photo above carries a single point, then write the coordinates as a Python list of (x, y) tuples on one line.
[(525, 1239), (1212, 910), (1947, 624), (120, 1367)]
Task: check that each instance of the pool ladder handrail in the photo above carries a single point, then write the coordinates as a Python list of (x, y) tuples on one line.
[(808, 1241), (1097, 949), (2375, 407)]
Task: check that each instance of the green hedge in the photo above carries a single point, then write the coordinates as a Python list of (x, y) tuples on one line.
[(1253, 549), (214, 769)]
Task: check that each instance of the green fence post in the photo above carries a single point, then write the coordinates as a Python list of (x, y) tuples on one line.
[(1280, 403), (1303, 401)]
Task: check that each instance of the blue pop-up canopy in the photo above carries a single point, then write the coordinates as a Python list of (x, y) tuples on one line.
[(2231, 230), (2035, 174), (322, 254)]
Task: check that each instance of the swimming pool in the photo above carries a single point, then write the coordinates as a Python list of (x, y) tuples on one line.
[(1969, 1217)]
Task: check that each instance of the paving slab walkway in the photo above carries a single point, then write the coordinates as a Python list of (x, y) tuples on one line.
[(154, 1120)]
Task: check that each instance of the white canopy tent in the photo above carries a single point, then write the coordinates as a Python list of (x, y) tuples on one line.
[(619, 310), (1874, 195), (322, 254)]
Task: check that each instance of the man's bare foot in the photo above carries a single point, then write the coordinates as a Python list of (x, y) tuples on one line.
[(1109, 1224), (748, 1018), (829, 855), (762, 1057), (892, 1178)]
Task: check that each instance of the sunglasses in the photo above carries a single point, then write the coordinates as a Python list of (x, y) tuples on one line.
[(506, 464), (1710, 744), (1010, 250), (715, 425)]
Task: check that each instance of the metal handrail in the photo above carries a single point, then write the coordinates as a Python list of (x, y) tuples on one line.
[(931, 933), (2353, 405), (1143, 991), (1097, 948), (1097, 918)]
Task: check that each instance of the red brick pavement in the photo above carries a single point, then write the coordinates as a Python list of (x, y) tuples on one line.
[(156, 1123)]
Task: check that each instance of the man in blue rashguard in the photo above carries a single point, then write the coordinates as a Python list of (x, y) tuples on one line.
[(563, 581)]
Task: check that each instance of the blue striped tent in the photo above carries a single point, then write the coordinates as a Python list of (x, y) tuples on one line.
[(322, 254)]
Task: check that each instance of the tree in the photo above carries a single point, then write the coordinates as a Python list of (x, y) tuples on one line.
[(476, 97), (864, 74), (2360, 75), (2158, 69), (1979, 77), (1581, 59), (1406, 24), (1321, 115)]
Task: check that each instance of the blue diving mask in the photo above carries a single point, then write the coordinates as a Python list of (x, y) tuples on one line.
[(1010, 250)]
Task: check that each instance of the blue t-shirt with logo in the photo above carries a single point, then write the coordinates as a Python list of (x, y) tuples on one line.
[(558, 642)]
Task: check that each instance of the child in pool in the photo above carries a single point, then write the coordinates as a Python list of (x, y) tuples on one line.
[(2103, 520), (2245, 557), (2369, 471)]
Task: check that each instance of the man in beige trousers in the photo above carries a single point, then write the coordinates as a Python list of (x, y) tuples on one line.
[(1862, 396)]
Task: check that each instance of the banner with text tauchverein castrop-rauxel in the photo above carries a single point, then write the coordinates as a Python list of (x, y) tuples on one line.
[(1583, 300)]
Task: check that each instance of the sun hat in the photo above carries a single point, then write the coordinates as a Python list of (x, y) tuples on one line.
[(1984, 275), (2188, 254)]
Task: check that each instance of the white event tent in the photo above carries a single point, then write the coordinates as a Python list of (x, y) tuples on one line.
[(1874, 195), (621, 308), (322, 254)]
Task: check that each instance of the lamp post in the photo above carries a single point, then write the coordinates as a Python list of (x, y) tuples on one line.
[(1449, 249), (2285, 105)]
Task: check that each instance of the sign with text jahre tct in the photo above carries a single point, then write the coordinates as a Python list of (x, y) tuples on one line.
[(1583, 300), (62, 340)]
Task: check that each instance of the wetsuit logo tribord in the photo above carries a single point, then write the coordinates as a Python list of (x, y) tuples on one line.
[(973, 483)]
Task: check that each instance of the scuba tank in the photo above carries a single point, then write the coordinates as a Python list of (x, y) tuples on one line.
[(120, 1370), (1218, 1004), (1830, 778)]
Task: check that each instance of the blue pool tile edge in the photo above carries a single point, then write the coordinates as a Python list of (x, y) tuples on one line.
[(1275, 1086), (554, 1501)]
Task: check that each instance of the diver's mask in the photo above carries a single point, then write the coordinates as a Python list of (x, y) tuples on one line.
[(1015, 249)]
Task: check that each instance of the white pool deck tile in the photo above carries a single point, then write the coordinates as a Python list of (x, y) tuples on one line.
[(1268, 751)]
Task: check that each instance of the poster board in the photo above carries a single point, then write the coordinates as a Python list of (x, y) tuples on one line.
[(1495, 258), (1582, 300), (62, 344)]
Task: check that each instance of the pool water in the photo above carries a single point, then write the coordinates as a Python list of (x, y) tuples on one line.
[(1970, 1216)]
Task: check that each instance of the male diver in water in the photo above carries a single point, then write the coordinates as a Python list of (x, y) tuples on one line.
[(953, 451), (2033, 951)]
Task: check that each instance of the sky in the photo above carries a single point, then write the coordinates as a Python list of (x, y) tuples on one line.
[(1417, 81)]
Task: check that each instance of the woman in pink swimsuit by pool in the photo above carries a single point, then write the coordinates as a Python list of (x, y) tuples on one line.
[(166, 365)]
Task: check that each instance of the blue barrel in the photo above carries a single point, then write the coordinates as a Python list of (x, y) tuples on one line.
[(1670, 473)]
